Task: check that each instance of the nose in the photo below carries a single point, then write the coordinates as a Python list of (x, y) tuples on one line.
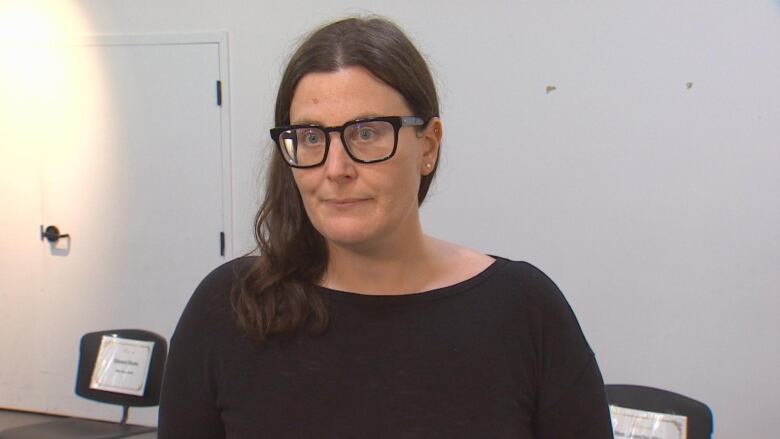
[(338, 165)]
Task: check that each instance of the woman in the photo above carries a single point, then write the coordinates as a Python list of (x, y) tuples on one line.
[(352, 322)]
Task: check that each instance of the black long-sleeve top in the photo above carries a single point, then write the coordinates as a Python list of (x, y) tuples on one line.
[(500, 355)]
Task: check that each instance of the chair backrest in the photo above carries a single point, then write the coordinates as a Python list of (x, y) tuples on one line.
[(149, 342), (700, 425)]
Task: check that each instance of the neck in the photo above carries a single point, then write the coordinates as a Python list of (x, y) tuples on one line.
[(398, 267)]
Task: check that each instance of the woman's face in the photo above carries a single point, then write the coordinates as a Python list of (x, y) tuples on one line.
[(361, 205)]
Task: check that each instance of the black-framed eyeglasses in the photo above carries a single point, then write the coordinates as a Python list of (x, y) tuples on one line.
[(368, 140)]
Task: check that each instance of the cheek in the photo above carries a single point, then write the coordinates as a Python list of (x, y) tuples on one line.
[(404, 184), (304, 186), (302, 182), (411, 169)]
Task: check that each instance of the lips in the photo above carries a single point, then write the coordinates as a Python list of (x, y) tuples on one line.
[(345, 202)]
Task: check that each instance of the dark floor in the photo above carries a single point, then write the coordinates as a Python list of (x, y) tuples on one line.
[(10, 419)]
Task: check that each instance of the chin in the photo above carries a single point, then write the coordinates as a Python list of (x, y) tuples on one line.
[(347, 235)]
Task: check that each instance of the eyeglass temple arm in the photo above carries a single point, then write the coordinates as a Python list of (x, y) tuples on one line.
[(412, 121)]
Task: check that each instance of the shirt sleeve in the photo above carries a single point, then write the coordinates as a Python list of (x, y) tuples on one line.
[(581, 412), (572, 401), (188, 406)]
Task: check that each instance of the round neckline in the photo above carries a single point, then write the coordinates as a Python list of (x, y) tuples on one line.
[(434, 294)]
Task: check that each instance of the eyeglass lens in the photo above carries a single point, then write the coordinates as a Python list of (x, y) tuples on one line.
[(366, 141)]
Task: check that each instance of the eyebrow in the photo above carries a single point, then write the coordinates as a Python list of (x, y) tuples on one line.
[(307, 121)]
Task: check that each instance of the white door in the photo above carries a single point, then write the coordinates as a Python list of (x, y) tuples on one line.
[(134, 175)]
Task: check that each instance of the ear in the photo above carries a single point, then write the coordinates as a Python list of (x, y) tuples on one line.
[(431, 140)]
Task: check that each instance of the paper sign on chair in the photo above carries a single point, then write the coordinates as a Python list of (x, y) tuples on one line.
[(122, 365), (640, 424)]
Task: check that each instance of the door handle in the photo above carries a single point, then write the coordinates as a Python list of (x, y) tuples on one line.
[(52, 234)]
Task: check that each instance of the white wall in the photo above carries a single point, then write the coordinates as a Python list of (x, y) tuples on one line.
[(653, 205)]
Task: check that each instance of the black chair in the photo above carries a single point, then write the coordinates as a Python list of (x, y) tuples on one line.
[(700, 425), (89, 429)]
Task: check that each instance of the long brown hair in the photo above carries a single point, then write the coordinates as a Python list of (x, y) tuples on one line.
[(278, 293)]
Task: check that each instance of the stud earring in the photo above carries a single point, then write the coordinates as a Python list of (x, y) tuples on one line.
[(428, 165)]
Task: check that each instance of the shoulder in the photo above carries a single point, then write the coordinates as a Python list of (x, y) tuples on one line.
[(536, 291), (521, 276), (211, 300), (223, 277), (515, 280), (521, 270)]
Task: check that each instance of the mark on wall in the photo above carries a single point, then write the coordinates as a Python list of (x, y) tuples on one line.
[(549, 88), (688, 85)]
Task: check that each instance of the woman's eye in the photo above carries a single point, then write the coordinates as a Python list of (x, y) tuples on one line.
[(312, 138), (365, 134)]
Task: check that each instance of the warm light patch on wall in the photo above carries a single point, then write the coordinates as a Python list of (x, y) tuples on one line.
[(49, 86)]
